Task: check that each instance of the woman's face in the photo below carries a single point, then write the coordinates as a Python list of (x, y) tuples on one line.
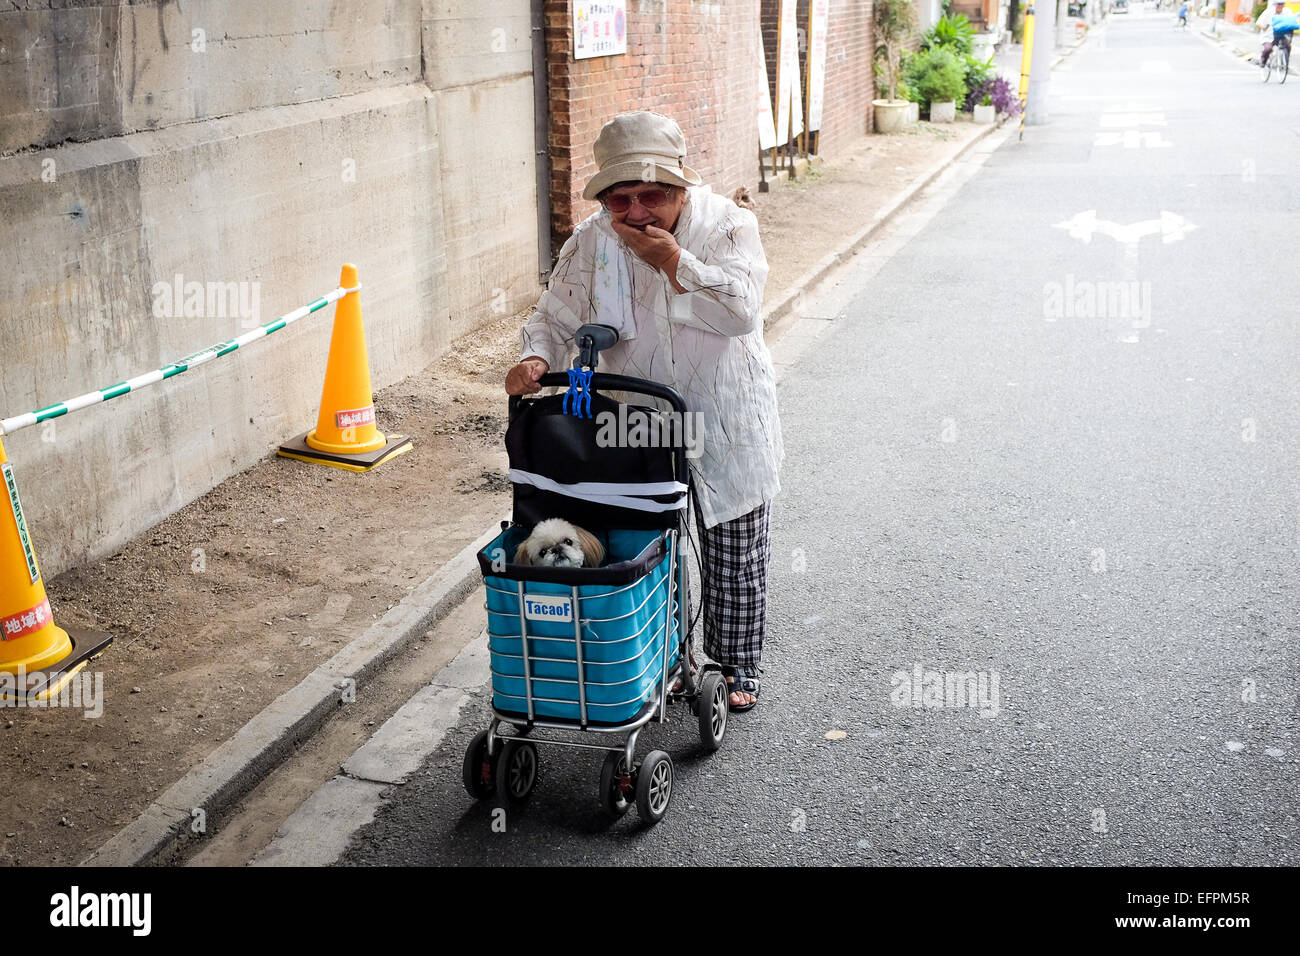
[(665, 204)]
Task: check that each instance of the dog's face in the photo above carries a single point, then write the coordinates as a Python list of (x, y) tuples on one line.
[(555, 543)]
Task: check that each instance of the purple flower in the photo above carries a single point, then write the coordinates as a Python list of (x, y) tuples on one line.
[(999, 90)]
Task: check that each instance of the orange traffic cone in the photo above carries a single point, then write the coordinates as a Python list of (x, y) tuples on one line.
[(345, 435), (33, 649)]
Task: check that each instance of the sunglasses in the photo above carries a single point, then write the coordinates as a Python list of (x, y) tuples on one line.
[(649, 198)]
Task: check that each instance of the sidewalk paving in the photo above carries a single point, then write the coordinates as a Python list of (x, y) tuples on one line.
[(222, 667)]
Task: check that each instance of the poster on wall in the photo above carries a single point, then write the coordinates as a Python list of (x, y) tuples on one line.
[(787, 68), (766, 125), (818, 17), (599, 28)]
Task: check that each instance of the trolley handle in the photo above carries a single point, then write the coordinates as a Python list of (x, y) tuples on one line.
[(621, 383), (601, 380)]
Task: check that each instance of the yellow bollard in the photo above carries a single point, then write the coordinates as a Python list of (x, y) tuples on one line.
[(1026, 57)]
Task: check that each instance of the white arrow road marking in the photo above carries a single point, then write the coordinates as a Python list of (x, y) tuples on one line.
[(1171, 227), (1133, 139), (1111, 120)]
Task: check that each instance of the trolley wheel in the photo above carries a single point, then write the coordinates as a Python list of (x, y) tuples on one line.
[(516, 771), (712, 710), (613, 798), (654, 786), (479, 773)]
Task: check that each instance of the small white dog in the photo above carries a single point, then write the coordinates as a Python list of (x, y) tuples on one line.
[(555, 543)]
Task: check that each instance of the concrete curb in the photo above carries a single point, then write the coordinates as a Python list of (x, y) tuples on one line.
[(262, 744), (240, 763), (317, 833)]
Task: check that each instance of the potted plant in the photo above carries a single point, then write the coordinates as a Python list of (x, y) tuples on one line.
[(983, 46), (894, 21), (913, 107), (943, 111), (984, 112), (936, 78), (998, 93), (953, 32)]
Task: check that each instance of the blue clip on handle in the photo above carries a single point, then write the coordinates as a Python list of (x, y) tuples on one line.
[(579, 389)]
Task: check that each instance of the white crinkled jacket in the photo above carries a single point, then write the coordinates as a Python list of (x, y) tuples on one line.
[(707, 343)]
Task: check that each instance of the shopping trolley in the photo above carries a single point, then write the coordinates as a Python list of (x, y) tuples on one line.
[(586, 651)]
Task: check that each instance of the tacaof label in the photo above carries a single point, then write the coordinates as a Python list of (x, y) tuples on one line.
[(548, 607)]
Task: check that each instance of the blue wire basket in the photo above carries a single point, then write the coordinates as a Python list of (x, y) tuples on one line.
[(584, 645)]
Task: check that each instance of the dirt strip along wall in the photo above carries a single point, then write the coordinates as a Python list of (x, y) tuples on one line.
[(250, 148)]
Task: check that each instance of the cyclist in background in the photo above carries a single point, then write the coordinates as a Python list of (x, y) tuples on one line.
[(1277, 24), (1182, 15)]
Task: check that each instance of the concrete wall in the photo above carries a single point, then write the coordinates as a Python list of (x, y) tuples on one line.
[(478, 59), (277, 143)]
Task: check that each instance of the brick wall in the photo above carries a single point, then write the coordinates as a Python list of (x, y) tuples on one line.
[(694, 61), (691, 60)]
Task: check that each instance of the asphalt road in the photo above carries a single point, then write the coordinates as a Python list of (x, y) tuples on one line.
[(1093, 503)]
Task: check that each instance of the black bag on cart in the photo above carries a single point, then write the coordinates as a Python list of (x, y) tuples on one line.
[(548, 447)]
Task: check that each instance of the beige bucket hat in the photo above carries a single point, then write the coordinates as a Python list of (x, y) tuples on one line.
[(642, 146)]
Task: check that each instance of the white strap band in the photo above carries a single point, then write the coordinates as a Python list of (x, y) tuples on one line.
[(608, 493)]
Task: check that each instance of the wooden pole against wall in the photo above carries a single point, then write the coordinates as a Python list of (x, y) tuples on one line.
[(780, 130)]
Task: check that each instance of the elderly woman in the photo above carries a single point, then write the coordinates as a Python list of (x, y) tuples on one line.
[(679, 272)]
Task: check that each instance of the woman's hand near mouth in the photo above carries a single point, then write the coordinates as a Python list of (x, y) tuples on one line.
[(654, 246)]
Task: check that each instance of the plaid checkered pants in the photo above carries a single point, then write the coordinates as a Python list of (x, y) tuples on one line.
[(733, 569)]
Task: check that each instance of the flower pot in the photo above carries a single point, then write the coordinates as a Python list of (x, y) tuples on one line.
[(985, 114), (943, 112), (891, 115), (914, 113)]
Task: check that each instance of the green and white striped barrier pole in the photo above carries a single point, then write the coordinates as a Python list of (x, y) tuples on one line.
[(10, 425)]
